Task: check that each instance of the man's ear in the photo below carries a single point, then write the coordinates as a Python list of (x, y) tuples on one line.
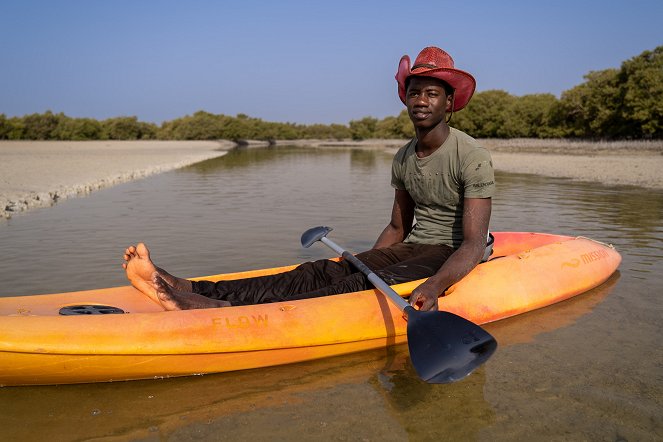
[(450, 103)]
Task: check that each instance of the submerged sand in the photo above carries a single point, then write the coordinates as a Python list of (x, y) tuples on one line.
[(39, 173)]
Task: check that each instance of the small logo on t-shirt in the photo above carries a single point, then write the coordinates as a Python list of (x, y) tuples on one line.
[(480, 185)]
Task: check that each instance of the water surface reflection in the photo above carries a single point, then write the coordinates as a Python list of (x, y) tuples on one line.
[(585, 369)]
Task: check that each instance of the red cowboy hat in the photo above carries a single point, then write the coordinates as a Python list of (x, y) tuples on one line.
[(434, 62)]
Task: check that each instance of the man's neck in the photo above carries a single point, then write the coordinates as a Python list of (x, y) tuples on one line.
[(428, 141)]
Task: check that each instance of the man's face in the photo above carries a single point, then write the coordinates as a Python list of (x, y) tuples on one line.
[(426, 101)]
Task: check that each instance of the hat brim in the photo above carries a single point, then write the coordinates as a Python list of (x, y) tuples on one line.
[(463, 83)]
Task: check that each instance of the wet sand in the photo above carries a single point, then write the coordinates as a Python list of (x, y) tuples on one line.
[(39, 173)]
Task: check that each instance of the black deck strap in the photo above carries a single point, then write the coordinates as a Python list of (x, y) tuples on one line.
[(489, 248), (89, 309)]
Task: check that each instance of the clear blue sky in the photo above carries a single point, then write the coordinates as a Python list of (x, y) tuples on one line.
[(299, 61)]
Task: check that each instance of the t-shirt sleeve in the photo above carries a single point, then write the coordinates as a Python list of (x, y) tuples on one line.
[(396, 181), (397, 168), (479, 175)]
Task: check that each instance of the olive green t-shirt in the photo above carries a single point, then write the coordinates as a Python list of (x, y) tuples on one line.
[(438, 183)]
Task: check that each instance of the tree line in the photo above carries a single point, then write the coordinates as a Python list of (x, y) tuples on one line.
[(624, 103)]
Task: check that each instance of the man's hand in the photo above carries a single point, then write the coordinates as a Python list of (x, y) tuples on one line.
[(425, 296), (476, 214)]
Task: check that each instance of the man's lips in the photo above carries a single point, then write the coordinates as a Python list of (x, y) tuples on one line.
[(420, 114)]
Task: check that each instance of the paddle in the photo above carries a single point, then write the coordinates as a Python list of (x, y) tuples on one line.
[(444, 347)]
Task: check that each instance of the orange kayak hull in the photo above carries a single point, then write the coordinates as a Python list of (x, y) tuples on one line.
[(38, 346)]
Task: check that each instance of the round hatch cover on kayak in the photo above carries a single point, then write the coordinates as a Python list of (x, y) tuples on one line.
[(90, 310)]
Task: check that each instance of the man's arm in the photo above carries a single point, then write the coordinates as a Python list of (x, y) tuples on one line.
[(476, 217), (402, 215)]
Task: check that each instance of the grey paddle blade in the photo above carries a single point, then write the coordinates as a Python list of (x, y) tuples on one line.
[(314, 234), (445, 347)]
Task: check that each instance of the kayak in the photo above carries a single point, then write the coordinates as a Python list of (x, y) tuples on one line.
[(118, 333)]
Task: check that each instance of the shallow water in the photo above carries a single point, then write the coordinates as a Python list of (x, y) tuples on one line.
[(586, 369)]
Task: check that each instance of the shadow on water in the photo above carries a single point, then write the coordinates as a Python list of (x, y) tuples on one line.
[(319, 399), (426, 411), (526, 327)]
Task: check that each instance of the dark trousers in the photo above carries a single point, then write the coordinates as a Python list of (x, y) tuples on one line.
[(401, 262)]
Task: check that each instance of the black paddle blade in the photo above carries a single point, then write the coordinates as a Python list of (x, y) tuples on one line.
[(445, 347), (313, 235)]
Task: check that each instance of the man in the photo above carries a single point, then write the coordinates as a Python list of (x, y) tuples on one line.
[(442, 177)]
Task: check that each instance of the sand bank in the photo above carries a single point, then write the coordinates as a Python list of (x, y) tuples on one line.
[(38, 173), (617, 169), (635, 163)]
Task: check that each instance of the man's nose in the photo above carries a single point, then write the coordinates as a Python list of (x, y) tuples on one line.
[(421, 100)]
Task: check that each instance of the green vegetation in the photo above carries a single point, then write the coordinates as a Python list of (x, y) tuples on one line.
[(625, 103), (50, 126)]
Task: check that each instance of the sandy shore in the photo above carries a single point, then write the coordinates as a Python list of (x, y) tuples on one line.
[(38, 173), (635, 163), (634, 170)]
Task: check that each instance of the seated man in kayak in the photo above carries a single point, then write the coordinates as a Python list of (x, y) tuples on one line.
[(442, 177)]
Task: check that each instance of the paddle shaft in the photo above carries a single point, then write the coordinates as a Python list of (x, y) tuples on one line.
[(372, 277)]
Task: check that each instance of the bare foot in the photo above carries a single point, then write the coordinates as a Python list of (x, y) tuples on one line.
[(171, 299), (141, 270), (164, 293)]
